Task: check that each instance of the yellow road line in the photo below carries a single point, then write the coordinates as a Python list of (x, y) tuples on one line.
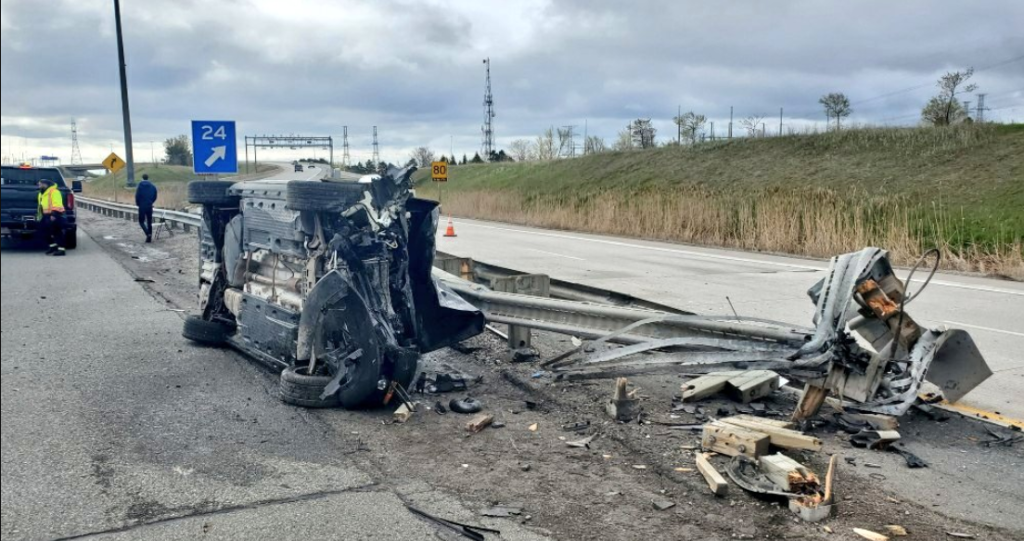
[(982, 414)]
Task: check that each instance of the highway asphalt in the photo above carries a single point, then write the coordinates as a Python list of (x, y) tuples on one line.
[(115, 428), (704, 281)]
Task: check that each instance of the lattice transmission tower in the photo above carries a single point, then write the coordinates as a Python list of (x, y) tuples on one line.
[(76, 152), (488, 129)]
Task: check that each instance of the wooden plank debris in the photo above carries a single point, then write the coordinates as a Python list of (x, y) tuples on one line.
[(780, 437), (746, 386), (719, 486), (403, 414), (755, 385), (789, 475), (707, 386), (732, 440), (869, 535), (479, 423)]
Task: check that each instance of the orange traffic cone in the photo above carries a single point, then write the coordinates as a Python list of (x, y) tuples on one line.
[(451, 229)]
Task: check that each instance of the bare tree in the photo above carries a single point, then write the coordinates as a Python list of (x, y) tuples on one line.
[(643, 133), (595, 145), (521, 150), (624, 141), (837, 106), (423, 156), (947, 103), (753, 124), (691, 125), (546, 145)]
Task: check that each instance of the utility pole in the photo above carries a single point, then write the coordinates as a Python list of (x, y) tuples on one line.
[(488, 129), (126, 111), (679, 126), (376, 148), (347, 158), (782, 112), (731, 119), (712, 131)]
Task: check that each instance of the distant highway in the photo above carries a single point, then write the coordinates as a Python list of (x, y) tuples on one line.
[(703, 281)]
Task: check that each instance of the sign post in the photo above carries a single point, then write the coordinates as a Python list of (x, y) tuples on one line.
[(214, 147), (439, 174), (113, 164)]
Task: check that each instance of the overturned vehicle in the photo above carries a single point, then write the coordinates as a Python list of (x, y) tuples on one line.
[(328, 282)]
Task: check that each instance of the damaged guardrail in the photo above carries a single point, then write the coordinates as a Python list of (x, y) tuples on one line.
[(864, 348), (184, 220)]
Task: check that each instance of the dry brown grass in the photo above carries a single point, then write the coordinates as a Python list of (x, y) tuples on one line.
[(819, 224)]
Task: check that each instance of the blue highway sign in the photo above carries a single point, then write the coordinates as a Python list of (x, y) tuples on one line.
[(214, 147)]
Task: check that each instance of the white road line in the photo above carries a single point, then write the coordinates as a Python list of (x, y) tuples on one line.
[(555, 255), (728, 258), (989, 329)]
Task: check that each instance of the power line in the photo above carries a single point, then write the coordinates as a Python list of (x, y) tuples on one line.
[(919, 87)]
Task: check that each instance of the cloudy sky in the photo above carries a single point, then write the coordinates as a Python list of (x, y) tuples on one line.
[(414, 67)]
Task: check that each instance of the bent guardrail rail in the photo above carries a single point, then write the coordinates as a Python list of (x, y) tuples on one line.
[(184, 220)]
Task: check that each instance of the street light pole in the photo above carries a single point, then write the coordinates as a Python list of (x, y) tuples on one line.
[(129, 152)]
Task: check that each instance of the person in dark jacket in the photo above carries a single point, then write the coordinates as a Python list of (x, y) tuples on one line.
[(145, 198)]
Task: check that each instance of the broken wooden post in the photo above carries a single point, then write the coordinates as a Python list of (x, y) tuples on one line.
[(403, 414), (789, 475), (479, 423), (715, 479), (815, 395), (780, 437), (731, 440), (623, 407)]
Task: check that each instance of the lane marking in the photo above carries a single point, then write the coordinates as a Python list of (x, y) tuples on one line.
[(972, 412), (726, 258), (555, 255), (989, 329)]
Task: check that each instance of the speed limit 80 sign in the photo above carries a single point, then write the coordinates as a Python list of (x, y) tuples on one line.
[(440, 171)]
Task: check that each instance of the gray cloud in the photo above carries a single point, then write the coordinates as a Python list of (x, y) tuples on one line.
[(413, 67)]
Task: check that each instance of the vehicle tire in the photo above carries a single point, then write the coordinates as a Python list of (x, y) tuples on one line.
[(207, 333), (301, 390), (71, 239), (214, 193), (310, 196)]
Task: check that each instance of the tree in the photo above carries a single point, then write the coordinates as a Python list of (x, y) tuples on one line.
[(412, 163), (690, 125), (500, 157), (946, 109), (465, 160), (643, 133), (453, 160), (424, 156), (624, 141), (477, 159), (179, 151), (754, 125), (546, 145), (837, 106), (939, 112), (520, 150), (594, 145)]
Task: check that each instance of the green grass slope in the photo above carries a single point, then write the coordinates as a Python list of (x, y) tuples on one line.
[(960, 187)]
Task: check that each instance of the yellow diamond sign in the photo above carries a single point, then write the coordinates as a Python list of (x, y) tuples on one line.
[(114, 163)]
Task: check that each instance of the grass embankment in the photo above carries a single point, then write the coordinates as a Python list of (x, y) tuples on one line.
[(960, 189), (172, 182)]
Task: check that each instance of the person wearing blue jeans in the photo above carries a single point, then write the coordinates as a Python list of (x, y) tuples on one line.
[(146, 195)]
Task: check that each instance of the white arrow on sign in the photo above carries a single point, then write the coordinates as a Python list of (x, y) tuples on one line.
[(219, 153)]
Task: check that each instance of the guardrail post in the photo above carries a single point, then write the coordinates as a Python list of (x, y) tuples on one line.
[(535, 285)]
